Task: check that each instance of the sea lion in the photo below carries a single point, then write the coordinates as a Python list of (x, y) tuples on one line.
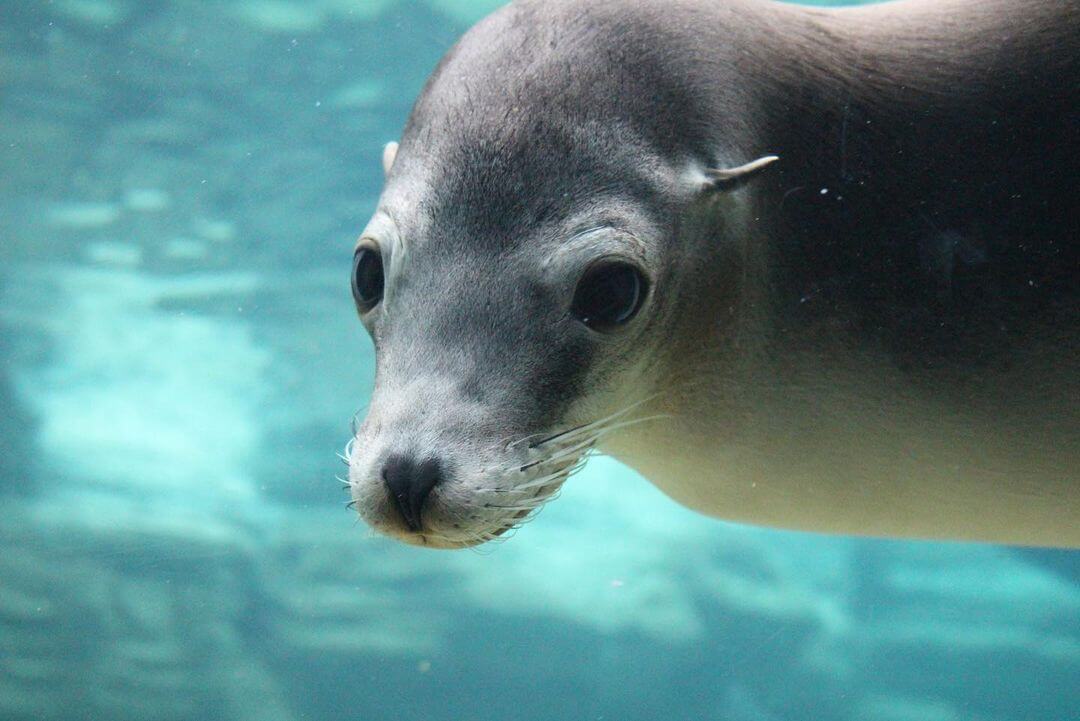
[(807, 268)]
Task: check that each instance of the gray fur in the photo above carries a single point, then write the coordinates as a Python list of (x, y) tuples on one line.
[(907, 270)]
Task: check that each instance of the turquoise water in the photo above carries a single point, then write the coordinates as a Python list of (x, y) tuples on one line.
[(182, 183)]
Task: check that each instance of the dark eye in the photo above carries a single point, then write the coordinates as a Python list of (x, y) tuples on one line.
[(367, 278), (608, 295)]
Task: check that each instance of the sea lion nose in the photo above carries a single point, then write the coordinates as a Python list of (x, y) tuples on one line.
[(410, 484)]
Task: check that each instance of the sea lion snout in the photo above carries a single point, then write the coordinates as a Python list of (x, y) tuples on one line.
[(409, 482), (434, 465), (456, 498)]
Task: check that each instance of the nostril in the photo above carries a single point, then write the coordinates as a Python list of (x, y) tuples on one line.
[(410, 484)]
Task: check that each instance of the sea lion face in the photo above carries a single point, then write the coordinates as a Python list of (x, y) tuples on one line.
[(511, 324), (526, 271)]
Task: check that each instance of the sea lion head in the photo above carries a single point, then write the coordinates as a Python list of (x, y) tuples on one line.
[(518, 278)]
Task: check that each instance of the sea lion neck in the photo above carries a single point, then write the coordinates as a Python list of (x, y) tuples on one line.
[(914, 181)]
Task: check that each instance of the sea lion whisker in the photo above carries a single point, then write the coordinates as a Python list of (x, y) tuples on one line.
[(614, 422), (563, 453), (540, 482), (577, 467), (598, 428), (532, 464), (354, 424), (523, 507), (560, 434), (573, 435), (510, 445), (577, 445), (632, 422), (521, 489), (346, 456), (584, 427)]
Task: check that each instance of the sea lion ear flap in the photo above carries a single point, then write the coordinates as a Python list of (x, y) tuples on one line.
[(728, 178), (389, 152)]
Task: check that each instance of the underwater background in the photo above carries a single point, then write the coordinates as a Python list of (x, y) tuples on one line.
[(181, 183)]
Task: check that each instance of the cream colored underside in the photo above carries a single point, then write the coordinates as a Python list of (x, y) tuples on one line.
[(834, 443)]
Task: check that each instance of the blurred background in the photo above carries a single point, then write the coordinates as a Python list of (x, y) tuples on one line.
[(181, 183)]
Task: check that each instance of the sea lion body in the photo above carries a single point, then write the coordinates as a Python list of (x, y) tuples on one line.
[(877, 334)]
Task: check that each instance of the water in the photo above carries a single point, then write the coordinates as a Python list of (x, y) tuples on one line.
[(181, 186)]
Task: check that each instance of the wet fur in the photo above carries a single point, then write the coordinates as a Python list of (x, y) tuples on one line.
[(894, 356)]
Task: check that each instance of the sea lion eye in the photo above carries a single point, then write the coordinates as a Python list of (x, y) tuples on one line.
[(608, 295), (367, 278)]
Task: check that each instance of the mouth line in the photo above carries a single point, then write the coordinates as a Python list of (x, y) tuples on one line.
[(468, 517), (438, 538)]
